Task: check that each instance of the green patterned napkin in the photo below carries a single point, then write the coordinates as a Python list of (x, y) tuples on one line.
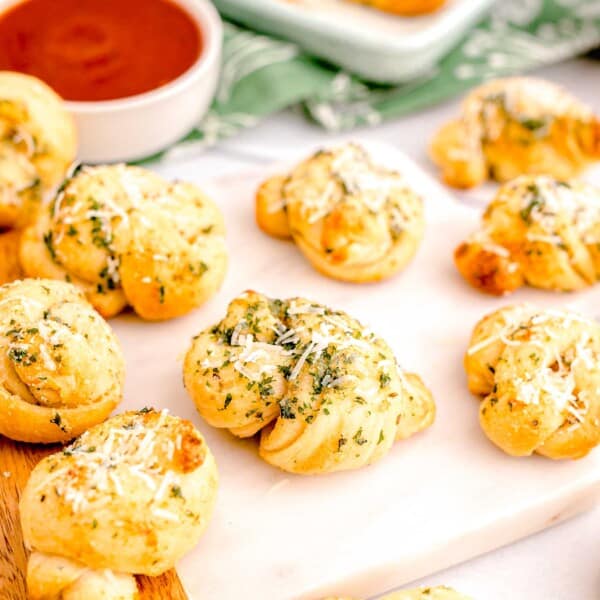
[(262, 75)]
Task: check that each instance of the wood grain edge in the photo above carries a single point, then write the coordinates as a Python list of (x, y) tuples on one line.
[(168, 585), (16, 462)]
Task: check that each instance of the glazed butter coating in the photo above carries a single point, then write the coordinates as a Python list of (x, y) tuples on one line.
[(61, 366), (325, 393), (516, 126), (538, 231), (126, 236), (130, 496), (10, 266), (538, 372), (37, 144), (352, 218)]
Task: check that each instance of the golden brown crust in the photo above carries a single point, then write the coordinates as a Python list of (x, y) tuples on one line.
[(10, 267), (51, 577), (538, 373), (462, 164), (37, 144), (486, 269), (127, 237), (538, 231), (127, 497), (516, 126), (325, 394), (61, 367), (271, 214), (407, 8), (353, 219)]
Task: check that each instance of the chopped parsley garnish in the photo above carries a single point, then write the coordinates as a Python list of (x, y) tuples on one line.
[(57, 420), (21, 356), (227, 402), (111, 282), (285, 370), (533, 124), (535, 201), (286, 409), (100, 238), (48, 240), (358, 437), (384, 380), (198, 269), (265, 387)]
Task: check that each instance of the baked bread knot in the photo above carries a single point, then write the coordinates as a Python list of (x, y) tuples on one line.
[(408, 8), (516, 126), (130, 496), (422, 593), (10, 267), (125, 236), (538, 372), (538, 231), (353, 219), (37, 145), (325, 393), (61, 366)]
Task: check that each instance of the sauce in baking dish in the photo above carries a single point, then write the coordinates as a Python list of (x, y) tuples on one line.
[(99, 49)]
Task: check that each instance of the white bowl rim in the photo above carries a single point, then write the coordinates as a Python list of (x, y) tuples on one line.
[(206, 17)]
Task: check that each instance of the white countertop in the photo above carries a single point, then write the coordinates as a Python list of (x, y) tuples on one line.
[(559, 564)]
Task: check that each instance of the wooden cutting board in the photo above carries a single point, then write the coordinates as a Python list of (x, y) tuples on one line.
[(16, 462)]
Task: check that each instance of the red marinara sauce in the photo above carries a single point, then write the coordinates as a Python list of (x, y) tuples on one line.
[(99, 49)]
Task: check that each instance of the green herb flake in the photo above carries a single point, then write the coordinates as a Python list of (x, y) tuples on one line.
[(57, 420), (227, 402), (21, 356), (384, 380), (265, 387), (535, 201), (358, 437), (533, 124), (48, 241), (286, 409)]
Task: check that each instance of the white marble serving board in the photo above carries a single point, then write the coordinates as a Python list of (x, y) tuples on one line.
[(439, 498)]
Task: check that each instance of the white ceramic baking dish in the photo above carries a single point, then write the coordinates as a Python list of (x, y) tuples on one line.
[(375, 45)]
